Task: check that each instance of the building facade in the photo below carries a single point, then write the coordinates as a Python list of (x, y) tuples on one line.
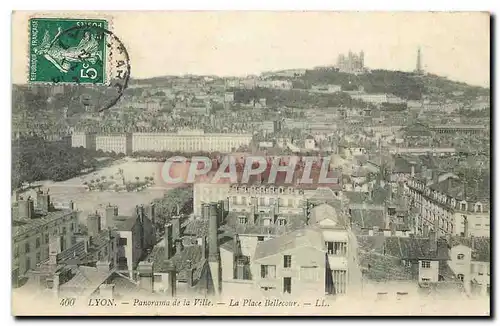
[(264, 198), (114, 142), (293, 264), (33, 228), (445, 213), (189, 141), (182, 141), (470, 261), (83, 139)]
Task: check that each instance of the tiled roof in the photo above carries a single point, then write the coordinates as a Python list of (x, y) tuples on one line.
[(416, 248), (325, 194), (77, 254), (300, 238), (280, 179), (378, 196), (465, 189), (197, 227), (294, 222), (410, 248), (125, 223), (402, 165), (227, 242), (181, 261), (481, 245), (327, 211), (23, 225), (378, 267), (381, 258), (417, 129), (368, 218), (85, 281), (125, 286), (356, 197)]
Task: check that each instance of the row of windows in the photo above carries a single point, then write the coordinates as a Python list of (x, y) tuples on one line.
[(28, 247), (263, 201), (339, 281), (267, 190), (264, 222), (478, 207), (336, 248), (307, 273)]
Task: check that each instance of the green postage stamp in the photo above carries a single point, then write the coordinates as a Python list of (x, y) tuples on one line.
[(65, 50)]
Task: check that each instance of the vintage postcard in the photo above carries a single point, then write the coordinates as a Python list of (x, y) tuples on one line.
[(250, 163)]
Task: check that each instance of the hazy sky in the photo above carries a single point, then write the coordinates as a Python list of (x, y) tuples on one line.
[(455, 45)]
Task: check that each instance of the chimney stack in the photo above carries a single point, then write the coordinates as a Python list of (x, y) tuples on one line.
[(433, 240), (176, 227), (168, 242), (26, 208), (213, 233), (56, 283), (236, 245), (111, 213), (140, 213), (272, 213), (171, 279), (213, 249), (436, 227), (145, 271), (54, 249), (43, 201), (179, 246), (94, 224), (151, 212), (213, 246), (205, 210), (190, 276), (466, 226), (204, 247), (435, 176), (222, 211), (392, 225)]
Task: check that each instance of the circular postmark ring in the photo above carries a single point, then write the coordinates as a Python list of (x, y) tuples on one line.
[(113, 62)]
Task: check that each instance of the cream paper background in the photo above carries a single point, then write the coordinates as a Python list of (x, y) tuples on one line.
[(455, 45)]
